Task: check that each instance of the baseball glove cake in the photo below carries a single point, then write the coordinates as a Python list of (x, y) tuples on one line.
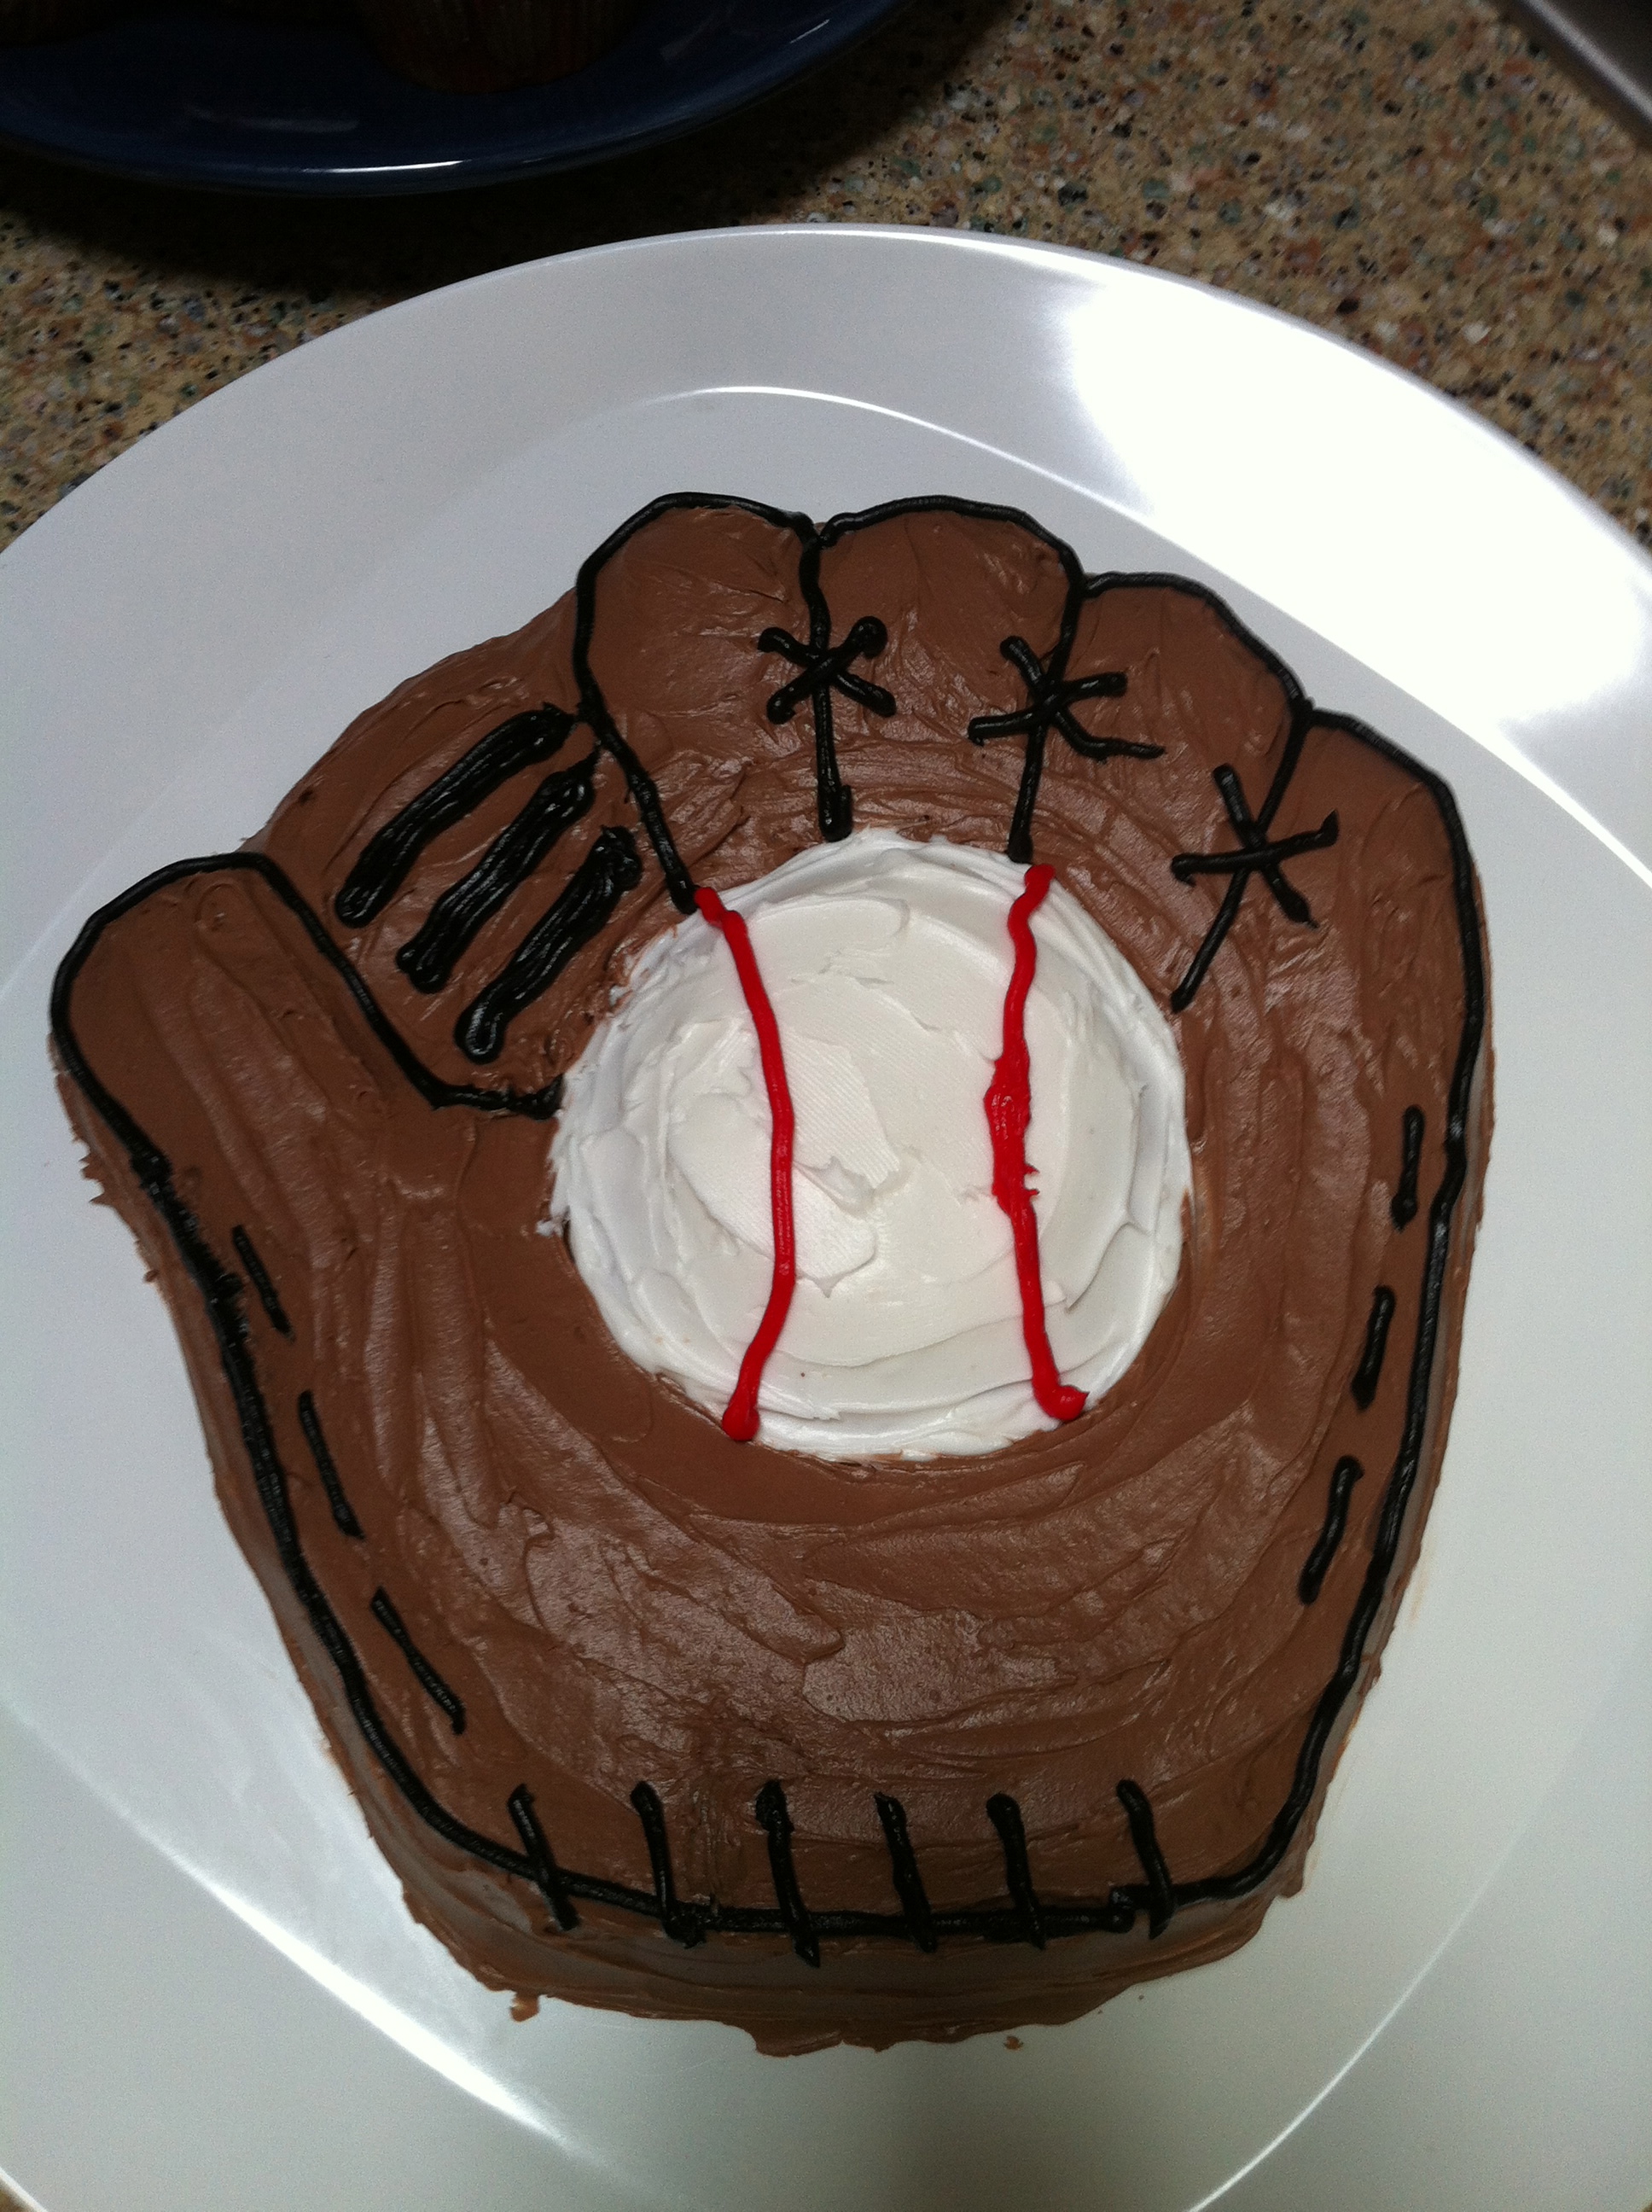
[(820, 1209)]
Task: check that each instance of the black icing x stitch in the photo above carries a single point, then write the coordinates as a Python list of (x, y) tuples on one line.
[(1254, 856), (1051, 697), (825, 669)]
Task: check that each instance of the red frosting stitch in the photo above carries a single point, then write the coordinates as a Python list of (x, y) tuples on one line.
[(1009, 1111), (740, 1416)]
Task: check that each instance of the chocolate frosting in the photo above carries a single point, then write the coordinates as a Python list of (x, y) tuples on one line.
[(646, 1718)]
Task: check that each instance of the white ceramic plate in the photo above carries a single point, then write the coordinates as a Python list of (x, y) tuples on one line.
[(213, 1996)]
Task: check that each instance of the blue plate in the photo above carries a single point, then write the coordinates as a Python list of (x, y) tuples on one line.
[(217, 99)]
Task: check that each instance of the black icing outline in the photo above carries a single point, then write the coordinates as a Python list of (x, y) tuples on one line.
[(1027, 1916), (580, 910), (464, 909)]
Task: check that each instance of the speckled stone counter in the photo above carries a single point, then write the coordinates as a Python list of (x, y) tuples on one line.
[(1411, 173)]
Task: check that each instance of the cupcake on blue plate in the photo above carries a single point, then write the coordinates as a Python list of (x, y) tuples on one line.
[(24, 22), (487, 46)]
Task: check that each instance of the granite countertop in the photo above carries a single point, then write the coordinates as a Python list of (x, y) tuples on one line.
[(1411, 173)]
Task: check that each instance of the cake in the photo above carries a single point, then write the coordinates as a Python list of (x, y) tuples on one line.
[(706, 1633)]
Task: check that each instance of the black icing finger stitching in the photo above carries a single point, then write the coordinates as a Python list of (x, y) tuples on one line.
[(1255, 856), (904, 1864), (546, 1872), (384, 1610), (427, 960), (825, 669), (1051, 698), (1005, 1814), (1403, 1208), (1368, 1373), (580, 910), (343, 1512), (1344, 1475), (680, 1922), (1161, 1890), (504, 752), (773, 1816), (258, 1275)]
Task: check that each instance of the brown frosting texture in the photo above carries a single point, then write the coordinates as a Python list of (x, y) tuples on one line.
[(615, 1594)]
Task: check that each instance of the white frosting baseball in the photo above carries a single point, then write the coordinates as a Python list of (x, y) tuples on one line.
[(886, 963)]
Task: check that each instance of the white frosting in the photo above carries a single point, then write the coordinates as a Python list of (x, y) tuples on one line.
[(886, 963)]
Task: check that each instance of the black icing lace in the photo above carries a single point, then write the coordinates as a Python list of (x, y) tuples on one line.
[(825, 669), (1051, 698), (1255, 855)]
